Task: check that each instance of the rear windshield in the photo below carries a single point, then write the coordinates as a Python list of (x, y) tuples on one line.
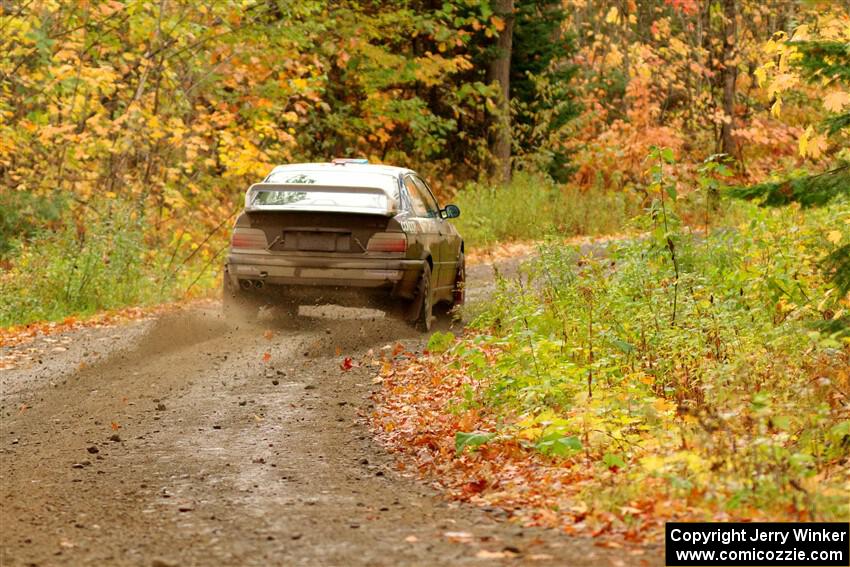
[(338, 178), (292, 199)]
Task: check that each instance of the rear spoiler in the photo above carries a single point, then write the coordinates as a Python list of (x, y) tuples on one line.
[(390, 210)]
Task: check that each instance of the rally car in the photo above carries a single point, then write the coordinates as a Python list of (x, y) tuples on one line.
[(349, 232)]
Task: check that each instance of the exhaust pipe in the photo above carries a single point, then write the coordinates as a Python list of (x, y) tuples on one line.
[(258, 284), (245, 284)]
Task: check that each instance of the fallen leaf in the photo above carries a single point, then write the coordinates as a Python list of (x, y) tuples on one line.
[(267, 356), (347, 364), (458, 537)]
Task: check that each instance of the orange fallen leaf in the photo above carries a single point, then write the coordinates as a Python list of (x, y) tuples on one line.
[(347, 364), (267, 356), (475, 486), (115, 426), (269, 334)]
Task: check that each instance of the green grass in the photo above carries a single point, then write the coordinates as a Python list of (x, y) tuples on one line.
[(533, 207), (96, 262)]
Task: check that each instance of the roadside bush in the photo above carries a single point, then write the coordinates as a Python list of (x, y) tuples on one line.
[(24, 214), (99, 260), (689, 362), (533, 206)]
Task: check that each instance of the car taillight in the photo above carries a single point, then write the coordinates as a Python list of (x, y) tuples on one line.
[(387, 242), (248, 238)]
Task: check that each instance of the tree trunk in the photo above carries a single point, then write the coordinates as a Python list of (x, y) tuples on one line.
[(499, 71), (730, 77)]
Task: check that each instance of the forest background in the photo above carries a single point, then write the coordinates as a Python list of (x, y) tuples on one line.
[(129, 130)]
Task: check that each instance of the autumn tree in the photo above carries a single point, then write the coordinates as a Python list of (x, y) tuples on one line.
[(542, 91), (499, 73), (729, 75), (817, 54)]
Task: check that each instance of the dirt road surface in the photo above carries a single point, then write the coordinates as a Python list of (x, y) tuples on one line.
[(188, 441)]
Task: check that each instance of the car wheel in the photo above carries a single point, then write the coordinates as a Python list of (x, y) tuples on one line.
[(422, 315), (235, 303)]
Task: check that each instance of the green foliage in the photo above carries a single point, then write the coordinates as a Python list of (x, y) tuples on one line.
[(588, 361), (824, 59), (472, 440), (558, 445), (542, 96), (23, 214), (440, 342), (533, 206), (808, 190), (837, 265), (95, 262)]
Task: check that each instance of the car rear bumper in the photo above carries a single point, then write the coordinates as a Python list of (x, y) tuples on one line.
[(399, 274)]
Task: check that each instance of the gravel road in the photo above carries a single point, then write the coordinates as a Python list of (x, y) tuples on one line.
[(189, 441)]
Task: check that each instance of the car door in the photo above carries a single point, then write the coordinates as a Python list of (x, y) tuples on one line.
[(427, 220), (449, 238)]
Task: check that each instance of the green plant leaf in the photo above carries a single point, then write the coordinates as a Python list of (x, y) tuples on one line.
[(613, 460), (440, 342), (472, 440), (558, 444)]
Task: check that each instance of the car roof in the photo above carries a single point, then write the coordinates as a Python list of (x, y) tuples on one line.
[(352, 167)]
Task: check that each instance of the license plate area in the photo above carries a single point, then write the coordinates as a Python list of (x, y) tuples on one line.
[(316, 241)]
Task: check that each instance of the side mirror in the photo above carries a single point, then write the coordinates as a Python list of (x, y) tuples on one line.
[(450, 212)]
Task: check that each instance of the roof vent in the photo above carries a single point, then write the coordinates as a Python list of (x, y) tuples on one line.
[(343, 161)]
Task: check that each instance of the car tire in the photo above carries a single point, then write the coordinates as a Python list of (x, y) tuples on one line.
[(421, 314), (235, 304)]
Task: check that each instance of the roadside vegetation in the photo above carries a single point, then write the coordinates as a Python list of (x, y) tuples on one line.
[(697, 375), (532, 207), (102, 261)]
